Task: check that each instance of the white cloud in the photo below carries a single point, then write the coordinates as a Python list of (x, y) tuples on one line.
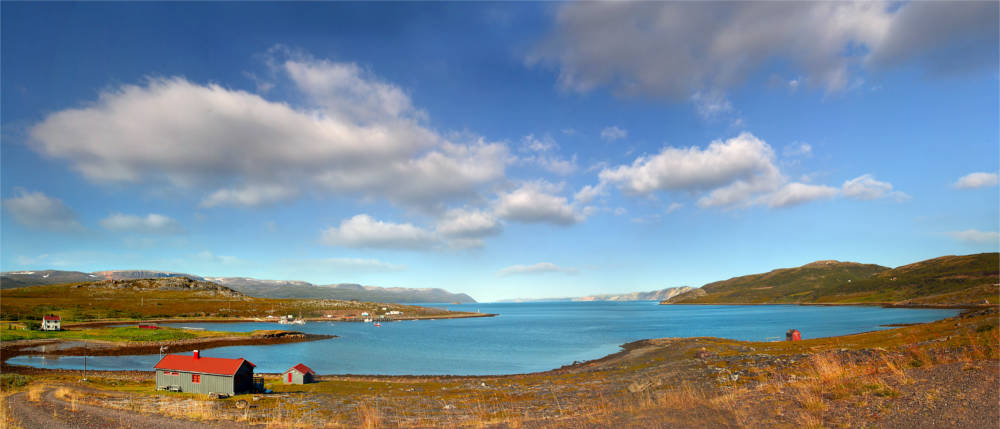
[(541, 154), (355, 134), (865, 187), (673, 207), (539, 268), (736, 173), (798, 149), (357, 265), (208, 256), (711, 104), (249, 196), (463, 223), (589, 192), (363, 231), (150, 224), (544, 144), (37, 210), (798, 193), (744, 158), (976, 180), (975, 236), (717, 45), (613, 133), (536, 202)]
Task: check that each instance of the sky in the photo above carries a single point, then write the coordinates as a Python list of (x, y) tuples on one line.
[(504, 150)]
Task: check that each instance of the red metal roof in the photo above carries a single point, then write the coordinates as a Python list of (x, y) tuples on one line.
[(50, 317), (207, 365), (303, 369)]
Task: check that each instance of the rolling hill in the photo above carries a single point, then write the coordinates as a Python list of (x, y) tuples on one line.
[(342, 291), (171, 298), (249, 286), (967, 279)]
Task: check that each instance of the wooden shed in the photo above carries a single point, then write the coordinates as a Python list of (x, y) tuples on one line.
[(197, 374), (298, 374)]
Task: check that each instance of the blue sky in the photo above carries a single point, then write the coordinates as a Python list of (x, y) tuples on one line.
[(503, 150)]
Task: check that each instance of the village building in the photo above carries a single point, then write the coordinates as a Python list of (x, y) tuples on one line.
[(207, 375), (51, 322), (298, 374)]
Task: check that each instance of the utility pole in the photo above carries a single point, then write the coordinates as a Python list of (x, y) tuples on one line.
[(85, 351)]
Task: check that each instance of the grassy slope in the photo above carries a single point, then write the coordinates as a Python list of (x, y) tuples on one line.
[(81, 302), (967, 279), (112, 334), (787, 285)]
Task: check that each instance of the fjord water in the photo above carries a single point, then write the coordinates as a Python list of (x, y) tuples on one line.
[(524, 337)]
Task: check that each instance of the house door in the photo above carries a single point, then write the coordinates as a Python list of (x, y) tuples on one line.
[(289, 377)]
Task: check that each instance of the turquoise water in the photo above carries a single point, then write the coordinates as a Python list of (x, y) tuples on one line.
[(525, 337)]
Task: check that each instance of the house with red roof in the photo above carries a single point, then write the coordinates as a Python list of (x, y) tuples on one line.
[(298, 374), (198, 374), (51, 322)]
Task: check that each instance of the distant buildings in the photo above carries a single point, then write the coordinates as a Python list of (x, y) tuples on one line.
[(196, 374), (298, 374), (51, 323)]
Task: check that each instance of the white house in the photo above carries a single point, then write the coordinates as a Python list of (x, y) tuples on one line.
[(51, 323)]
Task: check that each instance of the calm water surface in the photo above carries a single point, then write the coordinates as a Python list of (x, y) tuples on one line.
[(525, 337)]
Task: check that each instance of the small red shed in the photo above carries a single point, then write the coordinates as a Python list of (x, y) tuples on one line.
[(793, 335), (298, 374)]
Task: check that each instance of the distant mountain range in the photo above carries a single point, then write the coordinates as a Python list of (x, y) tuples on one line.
[(653, 295), (248, 286), (344, 291), (968, 279)]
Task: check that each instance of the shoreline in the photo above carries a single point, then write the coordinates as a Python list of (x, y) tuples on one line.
[(76, 347), (850, 304), (627, 349), (99, 323)]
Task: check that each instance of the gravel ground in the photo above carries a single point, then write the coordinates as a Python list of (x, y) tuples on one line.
[(53, 412)]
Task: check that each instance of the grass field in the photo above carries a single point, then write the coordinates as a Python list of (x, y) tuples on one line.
[(948, 280), (85, 302), (126, 334)]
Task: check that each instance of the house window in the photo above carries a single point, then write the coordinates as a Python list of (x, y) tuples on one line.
[(196, 378)]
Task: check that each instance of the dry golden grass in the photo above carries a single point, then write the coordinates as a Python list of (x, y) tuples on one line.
[(369, 414), (35, 392), (7, 419), (69, 395)]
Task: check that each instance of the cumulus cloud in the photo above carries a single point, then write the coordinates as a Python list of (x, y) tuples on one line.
[(733, 173), (865, 187), (364, 231), (798, 193), (942, 36), (464, 223), (613, 133), (150, 224), (537, 202), (674, 49), (541, 154), (975, 236), (539, 268), (744, 158), (353, 134), (976, 180), (40, 211), (249, 196), (590, 192)]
